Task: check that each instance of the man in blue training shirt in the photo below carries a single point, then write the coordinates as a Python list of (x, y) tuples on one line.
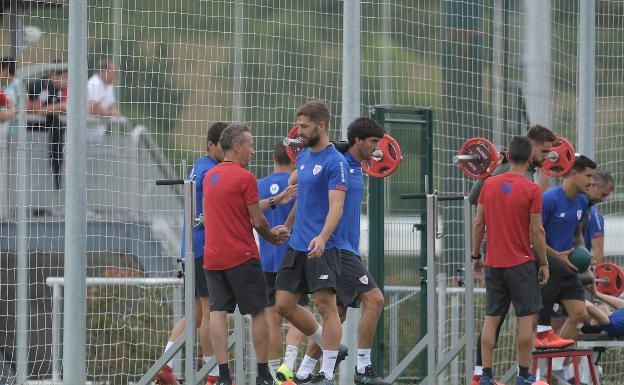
[(312, 262), (563, 208), (613, 323), (275, 188), (355, 283), (202, 165), (593, 223)]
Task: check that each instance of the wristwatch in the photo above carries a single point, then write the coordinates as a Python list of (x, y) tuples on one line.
[(475, 255), (272, 203)]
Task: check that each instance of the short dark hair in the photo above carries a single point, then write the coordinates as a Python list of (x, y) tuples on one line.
[(603, 178), (582, 162), (520, 149), (233, 133), (214, 132), (540, 134), (8, 63), (280, 155), (363, 128), (316, 110)]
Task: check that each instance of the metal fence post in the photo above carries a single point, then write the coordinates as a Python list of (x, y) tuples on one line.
[(469, 309), (431, 294), (586, 137), (441, 332), (74, 354), (57, 298), (189, 281)]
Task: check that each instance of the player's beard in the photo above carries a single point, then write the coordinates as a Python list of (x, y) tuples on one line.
[(313, 140)]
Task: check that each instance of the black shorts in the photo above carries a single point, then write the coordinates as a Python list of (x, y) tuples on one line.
[(517, 285), (242, 285), (201, 287), (269, 280), (354, 279), (562, 285), (300, 274)]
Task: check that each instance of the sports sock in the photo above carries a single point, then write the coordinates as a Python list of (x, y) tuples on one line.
[(329, 363), (215, 370), (363, 359), (290, 356), (273, 366), (317, 336), (167, 347), (306, 367)]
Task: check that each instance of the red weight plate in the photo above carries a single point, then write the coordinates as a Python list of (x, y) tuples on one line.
[(389, 161), (615, 275), (293, 149), (487, 159), (561, 158)]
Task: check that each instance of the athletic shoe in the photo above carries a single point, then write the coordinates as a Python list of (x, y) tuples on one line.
[(525, 381), (166, 376), (319, 379), (212, 380), (485, 380), (283, 374), (300, 382), (368, 378), (550, 341), (265, 381)]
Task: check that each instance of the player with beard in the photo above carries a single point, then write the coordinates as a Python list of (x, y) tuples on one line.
[(542, 140), (312, 262)]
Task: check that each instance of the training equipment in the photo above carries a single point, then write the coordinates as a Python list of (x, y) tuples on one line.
[(561, 159), (581, 258), (477, 158), (386, 160), (614, 276), (575, 354), (293, 143)]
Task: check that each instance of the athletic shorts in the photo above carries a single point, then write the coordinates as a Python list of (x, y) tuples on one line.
[(300, 274), (517, 285), (269, 280), (354, 279), (615, 328), (241, 285), (201, 287)]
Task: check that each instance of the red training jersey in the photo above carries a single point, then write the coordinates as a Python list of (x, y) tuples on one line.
[(228, 190), (508, 200)]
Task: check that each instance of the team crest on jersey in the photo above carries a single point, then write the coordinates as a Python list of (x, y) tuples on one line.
[(317, 168), (364, 279), (274, 188), (579, 214)]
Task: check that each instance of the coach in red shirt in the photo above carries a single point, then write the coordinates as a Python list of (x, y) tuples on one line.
[(510, 209), (231, 259)]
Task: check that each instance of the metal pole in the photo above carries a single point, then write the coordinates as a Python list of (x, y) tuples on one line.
[(441, 332), (386, 71), (537, 88), (189, 282), (239, 347), (117, 19), (74, 357), (469, 310), (586, 139), (238, 62), (394, 330), (350, 65), (431, 294), (497, 72), (21, 359), (178, 298), (57, 295), (455, 336)]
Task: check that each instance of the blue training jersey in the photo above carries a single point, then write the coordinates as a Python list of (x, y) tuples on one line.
[(200, 168), (561, 216), (348, 229), (317, 174), (269, 186), (594, 227)]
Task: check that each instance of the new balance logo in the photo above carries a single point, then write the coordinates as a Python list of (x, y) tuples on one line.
[(562, 215), (324, 276)]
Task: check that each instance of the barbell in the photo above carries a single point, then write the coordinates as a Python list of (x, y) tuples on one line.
[(478, 158), (385, 161), (609, 278)]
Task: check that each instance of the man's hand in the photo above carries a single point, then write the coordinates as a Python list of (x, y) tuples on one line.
[(280, 234), (477, 268), (287, 195), (316, 247), (543, 274), (563, 256)]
